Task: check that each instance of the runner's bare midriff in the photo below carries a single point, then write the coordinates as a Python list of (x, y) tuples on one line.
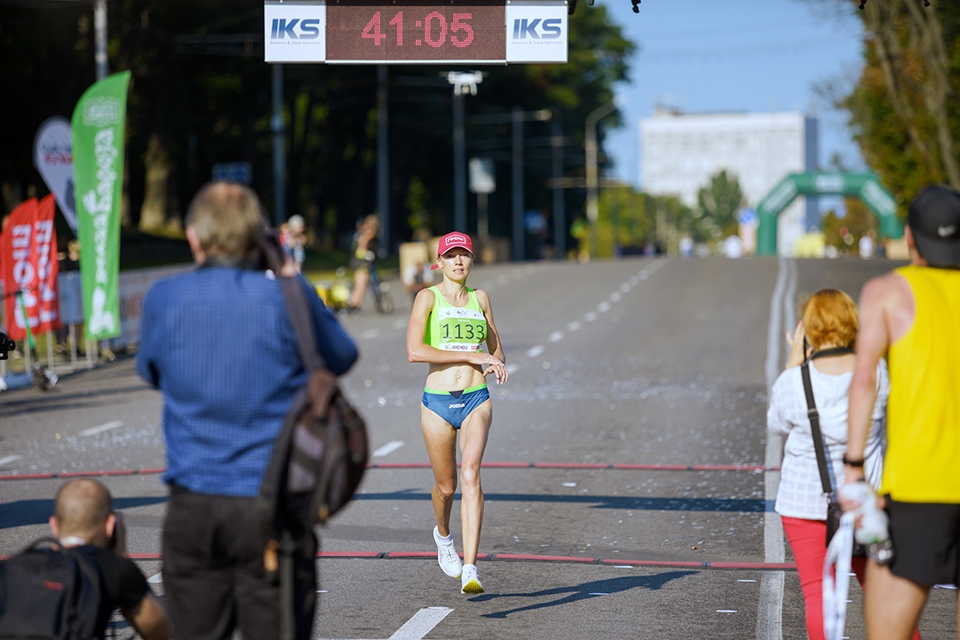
[(454, 377)]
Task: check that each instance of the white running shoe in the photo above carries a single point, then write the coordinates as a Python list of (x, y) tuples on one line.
[(447, 554), (469, 582)]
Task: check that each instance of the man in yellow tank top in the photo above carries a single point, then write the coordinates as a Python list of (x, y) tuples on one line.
[(912, 315)]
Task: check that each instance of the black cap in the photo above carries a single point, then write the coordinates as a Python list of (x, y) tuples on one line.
[(935, 222)]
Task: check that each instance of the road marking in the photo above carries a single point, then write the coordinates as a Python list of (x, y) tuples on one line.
[(573, 326), (726, 610), (746, 580), (399, 324), (616, 296), (769, 616), (590, 316), (108, 426), (625, 287), (603, 307), (421, 623), (556, 336), (387, 449), (533, 352), (370, 333), (512, 368), (8, 459), (155, 579)]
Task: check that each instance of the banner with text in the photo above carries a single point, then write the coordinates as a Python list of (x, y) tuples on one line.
[(98, 145), (30, 269), (53, 158)]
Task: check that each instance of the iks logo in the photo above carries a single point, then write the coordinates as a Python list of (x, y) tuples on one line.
[(294, 29), (536, 29)]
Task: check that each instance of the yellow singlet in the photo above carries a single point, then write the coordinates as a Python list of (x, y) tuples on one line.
[(923, 412)]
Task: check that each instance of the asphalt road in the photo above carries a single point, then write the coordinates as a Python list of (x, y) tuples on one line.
[(616, 367)]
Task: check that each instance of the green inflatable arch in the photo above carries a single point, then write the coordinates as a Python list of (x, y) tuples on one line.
[(863, 185)]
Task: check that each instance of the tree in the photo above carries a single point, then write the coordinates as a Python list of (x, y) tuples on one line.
[(904, 110), (845, 233), (717, 207), (201, 95)]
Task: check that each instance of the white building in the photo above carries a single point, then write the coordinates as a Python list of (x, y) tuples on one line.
[(679, 153)]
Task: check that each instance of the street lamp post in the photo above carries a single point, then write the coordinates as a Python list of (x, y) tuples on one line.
[(462, 83), (593, 211)]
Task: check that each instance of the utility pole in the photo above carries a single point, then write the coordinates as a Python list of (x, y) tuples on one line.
[(279, 158), (100, 37), (559, 211), (518, 186), (462, 82), (593, 211), (383, 157)]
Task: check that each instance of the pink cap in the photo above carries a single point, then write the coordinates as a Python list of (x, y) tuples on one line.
[(451, 241)]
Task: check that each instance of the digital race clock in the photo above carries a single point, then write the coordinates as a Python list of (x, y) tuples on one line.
[(411, 31)]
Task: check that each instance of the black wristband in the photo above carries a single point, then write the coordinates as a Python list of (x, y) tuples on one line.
[(852, 463)]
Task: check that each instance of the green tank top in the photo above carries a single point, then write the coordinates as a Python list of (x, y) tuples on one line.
[(451, 328)]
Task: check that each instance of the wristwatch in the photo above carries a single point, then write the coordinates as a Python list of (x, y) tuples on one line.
[(852, 463)]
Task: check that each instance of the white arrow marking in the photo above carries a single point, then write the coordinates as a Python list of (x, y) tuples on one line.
[(421, 623), (92, 431), (387, 449)]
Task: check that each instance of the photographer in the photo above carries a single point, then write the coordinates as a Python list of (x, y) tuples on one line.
[(83, 518), (218, 344)]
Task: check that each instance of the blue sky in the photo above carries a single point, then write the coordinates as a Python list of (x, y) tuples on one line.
[(735, 55)]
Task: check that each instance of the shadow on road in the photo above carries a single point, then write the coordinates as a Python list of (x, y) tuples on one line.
[(26, 512), (585, 591), (50, 401), (741, 505)]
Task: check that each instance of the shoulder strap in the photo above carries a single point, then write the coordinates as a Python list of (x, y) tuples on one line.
[(835, 351), (814, 417), (298, 308)]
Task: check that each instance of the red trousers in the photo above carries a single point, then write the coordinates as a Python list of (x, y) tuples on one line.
[(808, 540)]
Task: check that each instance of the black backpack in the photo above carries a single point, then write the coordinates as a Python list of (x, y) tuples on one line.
[(49, 592)]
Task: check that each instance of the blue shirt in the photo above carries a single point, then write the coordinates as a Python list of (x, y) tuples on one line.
[(218, 344)]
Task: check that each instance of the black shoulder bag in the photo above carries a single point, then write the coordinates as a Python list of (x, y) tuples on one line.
[(320, 455), (833, 507)]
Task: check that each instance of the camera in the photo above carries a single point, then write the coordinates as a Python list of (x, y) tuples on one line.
[(6, 346)]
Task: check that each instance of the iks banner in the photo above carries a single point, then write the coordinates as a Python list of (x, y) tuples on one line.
[(29, 250), (98, 143)]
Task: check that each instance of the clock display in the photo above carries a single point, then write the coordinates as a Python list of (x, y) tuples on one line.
[(451, 30)]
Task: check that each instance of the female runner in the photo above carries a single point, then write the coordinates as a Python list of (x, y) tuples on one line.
[(448, 327)]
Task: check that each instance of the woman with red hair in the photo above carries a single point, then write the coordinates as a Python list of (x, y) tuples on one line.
[(824, 340)]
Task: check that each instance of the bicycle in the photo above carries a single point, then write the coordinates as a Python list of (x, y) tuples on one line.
[(380, 290)]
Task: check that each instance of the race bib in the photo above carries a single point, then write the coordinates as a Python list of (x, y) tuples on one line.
[(461, 329)]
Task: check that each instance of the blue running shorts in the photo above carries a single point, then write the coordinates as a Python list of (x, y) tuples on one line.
[(455, 406)]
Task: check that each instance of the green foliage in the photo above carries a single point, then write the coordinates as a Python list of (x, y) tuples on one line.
[(202, 88), (717, 207), (845, 233), (625, 221), (903, 110), (628, 219)]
